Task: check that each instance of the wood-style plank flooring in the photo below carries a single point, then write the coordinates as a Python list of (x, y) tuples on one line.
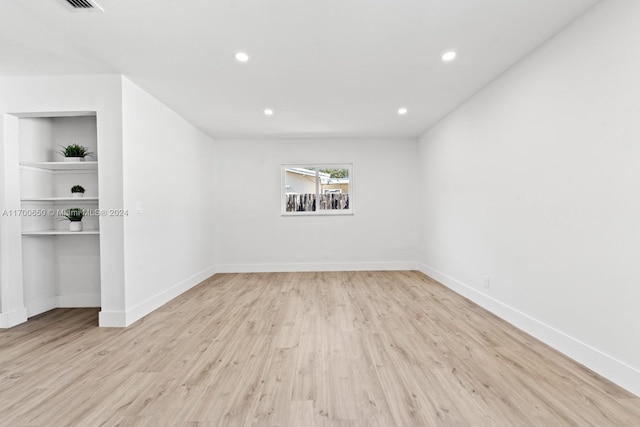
[(299, 349)]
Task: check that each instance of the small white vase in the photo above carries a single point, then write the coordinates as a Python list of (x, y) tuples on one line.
[(75, 225), (74, 159), (78, 195)]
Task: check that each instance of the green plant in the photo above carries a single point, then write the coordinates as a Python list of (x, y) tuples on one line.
[(77, 189), (336, 173), (74, 214), (74, 150)]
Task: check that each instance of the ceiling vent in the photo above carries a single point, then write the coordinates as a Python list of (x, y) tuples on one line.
[(84, 5)]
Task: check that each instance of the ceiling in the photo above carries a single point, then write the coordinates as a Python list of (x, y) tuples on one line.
[(327, 68)]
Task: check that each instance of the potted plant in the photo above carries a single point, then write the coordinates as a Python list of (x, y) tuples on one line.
[(74, 152), (74, 215), (77, 191)]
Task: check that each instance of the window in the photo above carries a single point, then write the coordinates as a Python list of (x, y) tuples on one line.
[(309, 189)]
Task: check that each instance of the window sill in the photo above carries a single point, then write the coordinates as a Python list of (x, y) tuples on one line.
[(347, 213)]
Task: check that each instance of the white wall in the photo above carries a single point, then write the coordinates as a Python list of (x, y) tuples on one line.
[(535, 183), (255, 237), (62, 94), (38, 254), (148, 155), (169, 174), (12, 309)]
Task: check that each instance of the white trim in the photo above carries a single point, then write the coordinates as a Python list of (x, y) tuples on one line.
[(122, 319), (79, 300), (150, 304), (619, 372), (315, 266), (112, 319), (290, 167), (66, 113), (41, 305), (324, 212), (13, 318)]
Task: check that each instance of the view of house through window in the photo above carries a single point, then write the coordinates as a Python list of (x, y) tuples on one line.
[(319, 189)]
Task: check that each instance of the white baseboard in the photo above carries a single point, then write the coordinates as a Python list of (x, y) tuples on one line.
[(315, 266), (139, 311), (41, 305), (79, 300), (112, 319), (62, 301), (624, 375), (13, 318)]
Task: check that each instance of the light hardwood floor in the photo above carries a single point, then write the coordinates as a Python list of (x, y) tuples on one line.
[(299, 349)]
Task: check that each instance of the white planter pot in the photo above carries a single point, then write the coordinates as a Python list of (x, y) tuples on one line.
[(75, 225), (74, 159), (78, 195)]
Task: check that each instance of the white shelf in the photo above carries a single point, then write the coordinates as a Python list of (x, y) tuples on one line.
[(60, 232), (61, 199), (57, 264), (62, 166)]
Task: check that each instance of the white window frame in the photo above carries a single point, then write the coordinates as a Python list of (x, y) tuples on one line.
[(316, 166)]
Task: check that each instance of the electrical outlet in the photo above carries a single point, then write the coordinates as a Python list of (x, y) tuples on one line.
[(486, 282)]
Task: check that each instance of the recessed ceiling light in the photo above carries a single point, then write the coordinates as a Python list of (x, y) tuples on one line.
[(449, 56), (402, 111), (242, 57), (268, 112)]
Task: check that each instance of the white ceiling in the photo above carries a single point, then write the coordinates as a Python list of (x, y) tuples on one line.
[(326, 67)]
